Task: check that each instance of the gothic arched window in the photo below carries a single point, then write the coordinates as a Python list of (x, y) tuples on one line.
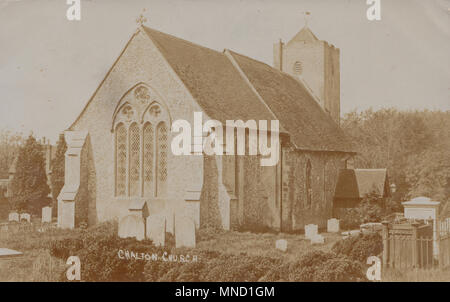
[(134, 154), (148, 158), (308, 183), (162, 158), (141, 145), (121, 159)]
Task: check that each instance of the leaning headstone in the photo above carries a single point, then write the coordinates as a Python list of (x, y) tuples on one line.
[(46, 214), (317, 239), (333, 225), (13, 216), (156, 229), (281, 244), (184, 232), (311, 230), (25, 217), (132, 226)]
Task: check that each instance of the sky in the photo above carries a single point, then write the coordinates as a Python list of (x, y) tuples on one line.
[(50, 66)]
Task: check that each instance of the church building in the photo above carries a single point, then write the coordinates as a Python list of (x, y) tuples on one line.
[(119, 160)]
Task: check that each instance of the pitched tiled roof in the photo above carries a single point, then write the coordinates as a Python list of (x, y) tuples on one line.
[(305, 34), (219, 84), (211, 78), (307, 123), (356, 183)]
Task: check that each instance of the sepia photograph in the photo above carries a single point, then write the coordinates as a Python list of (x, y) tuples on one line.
[(250, 141)]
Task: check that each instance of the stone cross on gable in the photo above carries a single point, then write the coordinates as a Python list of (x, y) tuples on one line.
[(141, 19), (306, 15)]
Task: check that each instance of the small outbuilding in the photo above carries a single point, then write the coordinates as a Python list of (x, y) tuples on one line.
[(354, 184)]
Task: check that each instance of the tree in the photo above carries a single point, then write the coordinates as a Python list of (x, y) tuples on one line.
[(58, 168), (29, 185), (9, 145)]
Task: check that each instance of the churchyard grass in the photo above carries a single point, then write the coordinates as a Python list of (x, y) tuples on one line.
[(37, 263), (260, 244), (419, 275)]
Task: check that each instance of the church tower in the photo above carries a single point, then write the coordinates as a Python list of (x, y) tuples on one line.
[(316, 64)]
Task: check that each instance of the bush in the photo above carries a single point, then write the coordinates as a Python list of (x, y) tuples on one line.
[(370, 209), (98, 251), (323, 266), (340, 269), (360, 247)]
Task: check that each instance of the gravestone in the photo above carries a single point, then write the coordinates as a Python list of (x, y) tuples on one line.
[(25, 217), (317, 239), (333, 225), (281, 244), (13, 216), (311, 230), (132, 226), (8, 253), (184, 232), (156, 229), (46, 214)]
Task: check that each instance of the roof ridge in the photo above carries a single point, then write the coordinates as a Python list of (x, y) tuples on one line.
[(146, 28)]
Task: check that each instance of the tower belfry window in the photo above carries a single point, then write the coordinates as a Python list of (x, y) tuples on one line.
[(298, 68)]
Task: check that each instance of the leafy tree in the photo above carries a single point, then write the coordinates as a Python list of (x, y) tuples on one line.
[(29, 185), (9, 146), (58, 168), (413, 145)]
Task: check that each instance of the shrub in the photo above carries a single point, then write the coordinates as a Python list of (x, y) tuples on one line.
[(360, 247), (325, 266), (340, 269), (98, 249), (370, 209)]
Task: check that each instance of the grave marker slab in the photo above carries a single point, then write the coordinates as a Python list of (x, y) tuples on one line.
[(317, 239), (311, 230), (13, 216), (281, 244), (25, 217), (46, 214), (156, 229), (132, 226), (8, 253), (333, 225), (184, 232)]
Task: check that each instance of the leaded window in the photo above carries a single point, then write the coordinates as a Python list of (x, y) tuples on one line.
[(141, 147), (121, 164), (162, 158), (148, 158), (134, 152)]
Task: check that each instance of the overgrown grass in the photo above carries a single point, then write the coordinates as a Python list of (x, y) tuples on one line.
[(260, 244), (223, 255), (418, 275)]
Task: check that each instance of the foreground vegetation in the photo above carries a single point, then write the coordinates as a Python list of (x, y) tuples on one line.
[(220, 255)]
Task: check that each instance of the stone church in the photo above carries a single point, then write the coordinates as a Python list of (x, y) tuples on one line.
[(119, 161)]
